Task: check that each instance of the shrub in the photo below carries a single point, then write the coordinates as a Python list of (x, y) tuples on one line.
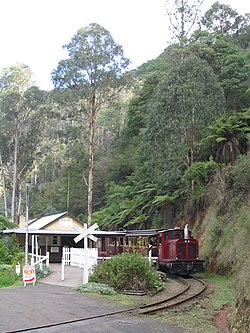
[(7, 276), (41, 273), (200, 173), (98, 288), (129, 271), (10, 251)]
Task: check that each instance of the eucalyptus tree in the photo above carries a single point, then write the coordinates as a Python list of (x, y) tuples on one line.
[(20, 124), (94, 69), (16, 78), (242, 35), (183, 16), (221, 19), (186, 100)]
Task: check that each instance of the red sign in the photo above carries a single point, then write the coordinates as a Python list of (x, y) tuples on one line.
[(29, 275)]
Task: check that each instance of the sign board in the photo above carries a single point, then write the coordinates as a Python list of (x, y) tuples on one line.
[(54, 249), (66, 222), (86, 232), (29, 275)]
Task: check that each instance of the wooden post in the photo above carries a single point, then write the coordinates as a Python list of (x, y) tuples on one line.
[(32, 249), (62, 272), (150, 253), (36, 246), (86, 262), (47, 260)]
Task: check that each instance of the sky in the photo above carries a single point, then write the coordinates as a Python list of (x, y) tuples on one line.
[(33, 31)]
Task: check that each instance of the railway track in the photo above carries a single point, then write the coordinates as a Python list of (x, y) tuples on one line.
[(189, 292), (184, 295)]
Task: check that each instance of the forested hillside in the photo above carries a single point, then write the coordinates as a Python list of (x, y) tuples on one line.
[(163, 145)]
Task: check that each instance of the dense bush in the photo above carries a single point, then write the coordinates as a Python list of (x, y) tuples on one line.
[(7, 276), (10, 251), (127, 271), (200, 173)]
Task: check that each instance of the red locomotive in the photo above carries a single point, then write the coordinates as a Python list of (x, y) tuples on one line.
[(178, 252)]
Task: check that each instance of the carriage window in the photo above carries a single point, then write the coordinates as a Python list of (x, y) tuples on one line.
[(160, 239)]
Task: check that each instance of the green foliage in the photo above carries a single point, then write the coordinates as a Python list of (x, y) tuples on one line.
[(98, 288), (200, 173), (230, 64), (220, 19), (187, 98), (10, 252), (230, 135), (15, 78), (127, 271), (134, 202), (241, 312), (5, 223), (94, 58), (42, 272), (241, 174), (215, 233), (227, 235), (7, 276)]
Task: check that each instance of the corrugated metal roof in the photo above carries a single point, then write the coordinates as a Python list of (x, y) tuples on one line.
[(138, 233), (44, 221), (100, 233), (41, 232)]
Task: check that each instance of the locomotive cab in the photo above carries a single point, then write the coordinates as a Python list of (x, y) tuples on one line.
[(178, 252)]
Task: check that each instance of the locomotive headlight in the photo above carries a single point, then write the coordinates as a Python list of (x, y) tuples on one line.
[(176, 258), (197, 258)]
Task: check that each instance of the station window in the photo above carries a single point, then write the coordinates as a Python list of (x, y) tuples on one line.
[(55, 240)]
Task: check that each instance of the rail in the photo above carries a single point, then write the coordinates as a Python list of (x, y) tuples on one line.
[(39, 260)]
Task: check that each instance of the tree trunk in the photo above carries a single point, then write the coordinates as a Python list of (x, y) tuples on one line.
[(92, 120), (91, 172), (14, 179), (4, 188)]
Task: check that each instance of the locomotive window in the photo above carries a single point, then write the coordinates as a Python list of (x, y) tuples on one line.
[(176, 235)]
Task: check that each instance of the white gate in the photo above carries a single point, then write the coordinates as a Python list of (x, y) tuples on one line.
[(75, 256)]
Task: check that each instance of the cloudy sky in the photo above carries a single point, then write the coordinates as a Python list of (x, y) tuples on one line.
[(33, 31)]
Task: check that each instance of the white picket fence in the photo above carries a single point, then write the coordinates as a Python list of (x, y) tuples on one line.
[(75, 256)]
